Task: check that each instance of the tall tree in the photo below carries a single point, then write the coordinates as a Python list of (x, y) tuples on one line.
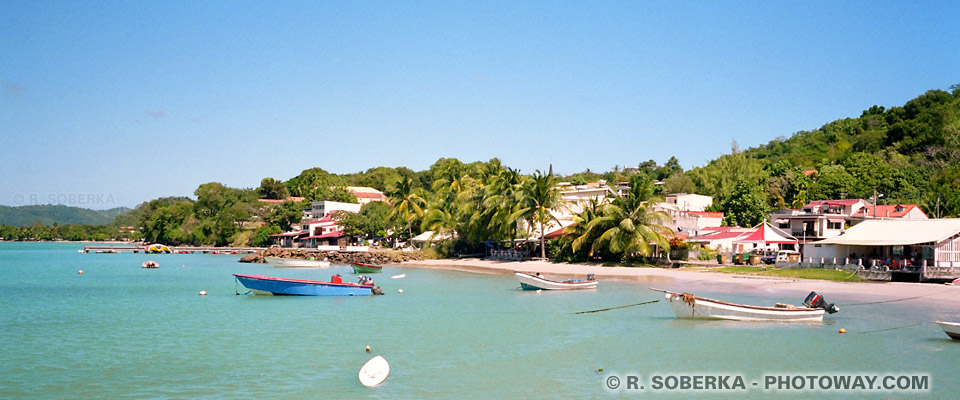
[(407, 202), (538, 197), (745, 206), (628, 225)]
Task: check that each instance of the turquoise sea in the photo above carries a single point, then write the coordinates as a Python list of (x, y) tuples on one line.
[(119, 331)]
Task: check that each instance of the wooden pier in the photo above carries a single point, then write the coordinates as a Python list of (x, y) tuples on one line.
[(135, 248)]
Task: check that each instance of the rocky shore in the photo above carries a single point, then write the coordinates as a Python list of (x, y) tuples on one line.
[(337, 257)]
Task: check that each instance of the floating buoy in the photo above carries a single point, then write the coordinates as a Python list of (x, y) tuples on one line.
[(203, 292), (368, 349), (183, 266), (80, 272), (399, 290), (843, 330), (600, 370)]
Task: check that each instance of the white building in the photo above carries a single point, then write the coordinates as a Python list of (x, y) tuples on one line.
[(366, 194), (320, 209), (689, 201)]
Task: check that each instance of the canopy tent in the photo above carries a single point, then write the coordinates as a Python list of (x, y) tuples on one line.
[(766, 234), (897, 232), (430, 236)]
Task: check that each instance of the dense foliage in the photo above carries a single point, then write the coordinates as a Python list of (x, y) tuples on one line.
[(49, 214), (908, 154)]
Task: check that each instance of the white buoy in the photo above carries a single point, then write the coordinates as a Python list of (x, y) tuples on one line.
[(368, 349), (203, 292), (80, 272), (399, 290), (401, 276)]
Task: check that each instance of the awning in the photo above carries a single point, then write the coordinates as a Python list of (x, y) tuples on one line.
[(782, 221), (897, 233), (835, 220)]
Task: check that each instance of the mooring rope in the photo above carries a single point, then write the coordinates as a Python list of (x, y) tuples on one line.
[(895, 300), (614, 308), (896, 327)]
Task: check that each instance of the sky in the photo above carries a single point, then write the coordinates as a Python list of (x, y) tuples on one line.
[(111, 103)]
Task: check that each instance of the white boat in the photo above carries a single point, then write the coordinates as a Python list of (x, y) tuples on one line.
[(952, 329), (374, 372), (280, 262), (686, 305), (534, 282)]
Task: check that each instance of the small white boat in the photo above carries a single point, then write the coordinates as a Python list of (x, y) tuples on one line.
[(534, 282), (952, 329), (296, 263), (686, 305), (374, 372)]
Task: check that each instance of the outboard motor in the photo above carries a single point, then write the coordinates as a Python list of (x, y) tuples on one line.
[(376, 290), (591, 277), (815, 300)]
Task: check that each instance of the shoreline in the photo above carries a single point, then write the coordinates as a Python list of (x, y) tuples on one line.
[(689, 280)]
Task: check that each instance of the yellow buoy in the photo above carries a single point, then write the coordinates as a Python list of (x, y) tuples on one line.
[(80, 272), (203, 292), (843, 330), (368, 349)]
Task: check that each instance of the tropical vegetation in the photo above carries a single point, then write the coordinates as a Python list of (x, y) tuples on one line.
[(901, 154)]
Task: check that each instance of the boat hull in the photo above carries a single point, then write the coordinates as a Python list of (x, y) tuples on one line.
[(694, 307), (532, 282), (279, 262), (952, 329), (297, 287), (361, 268)]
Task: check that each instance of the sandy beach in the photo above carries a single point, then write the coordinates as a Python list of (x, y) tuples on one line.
[(691, 280)]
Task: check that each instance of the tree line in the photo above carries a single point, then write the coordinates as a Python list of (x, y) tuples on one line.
[(908, 154)]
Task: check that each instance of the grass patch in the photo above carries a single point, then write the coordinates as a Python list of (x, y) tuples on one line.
[(803, 273)]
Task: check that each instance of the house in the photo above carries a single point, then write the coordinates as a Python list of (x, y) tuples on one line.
[(899, 211), (927, 248), (320, 209), (689, 201), (322, 232), (366, 194), (824, 219), (688, 214)]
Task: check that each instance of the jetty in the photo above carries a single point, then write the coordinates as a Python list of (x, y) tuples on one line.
[(136, 248)]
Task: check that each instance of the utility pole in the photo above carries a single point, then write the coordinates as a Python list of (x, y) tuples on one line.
[(938, 206), (874, 201)]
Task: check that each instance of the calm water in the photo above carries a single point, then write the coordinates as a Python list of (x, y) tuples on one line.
[(120, 331)]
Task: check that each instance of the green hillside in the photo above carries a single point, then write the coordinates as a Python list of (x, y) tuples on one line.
[(60, 214), (908, 154)]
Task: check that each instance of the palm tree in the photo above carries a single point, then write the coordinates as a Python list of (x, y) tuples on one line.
[(627, 225), (538, 196), (407, 201)]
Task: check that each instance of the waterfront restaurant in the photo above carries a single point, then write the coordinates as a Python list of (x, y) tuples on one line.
[(929, 248)]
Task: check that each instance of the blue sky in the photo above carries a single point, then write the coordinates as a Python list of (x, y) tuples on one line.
[(128, 101)]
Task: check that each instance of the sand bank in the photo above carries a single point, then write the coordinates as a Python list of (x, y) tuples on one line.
[(689, 280)]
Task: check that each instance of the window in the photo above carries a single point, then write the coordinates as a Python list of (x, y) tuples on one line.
[(834, 225), (783, 225)]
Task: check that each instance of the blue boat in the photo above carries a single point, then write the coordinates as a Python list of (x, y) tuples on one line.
[(260, 284)]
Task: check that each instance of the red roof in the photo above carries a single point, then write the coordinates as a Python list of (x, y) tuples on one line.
[(367, 195), (325, 235), (719, 228), (716, 236), (326, 218), (889, 210)]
